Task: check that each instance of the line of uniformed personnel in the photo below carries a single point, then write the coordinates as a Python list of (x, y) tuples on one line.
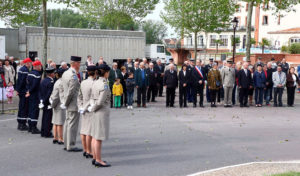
[(63, 98)]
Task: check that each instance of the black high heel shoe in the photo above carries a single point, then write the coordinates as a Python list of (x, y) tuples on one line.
[(60, 143), (84, 154), (55, 141), (97, 164), (93, 162), (87, 155)]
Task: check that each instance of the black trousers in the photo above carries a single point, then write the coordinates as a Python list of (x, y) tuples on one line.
[(124, 97), (278, 96), (160, 87), (183, 96), (111, 98), (198, 90), (151, 92), (141, 95), (213, 96), (34, 111), (170, 96), (46, 122), (23, 109), (290, 95), (244, 96)]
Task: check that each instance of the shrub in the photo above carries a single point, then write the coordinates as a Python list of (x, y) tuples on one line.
[(294, 48), (284, 49)]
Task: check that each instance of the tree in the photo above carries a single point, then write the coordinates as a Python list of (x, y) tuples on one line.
[(155, 31), (218, 42), (235, 41), (277, 7), (190, 16), (117, 13), (253, 41), (264, 42), (294, 48)]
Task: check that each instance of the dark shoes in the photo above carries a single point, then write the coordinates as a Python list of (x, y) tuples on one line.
[(87, 155), (22, 127), (97, 164), (34, 130), (75, 150), (55, 141)]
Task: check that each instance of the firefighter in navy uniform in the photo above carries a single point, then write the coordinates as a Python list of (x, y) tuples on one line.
[(46, 89), (33, 85), (21, 91)]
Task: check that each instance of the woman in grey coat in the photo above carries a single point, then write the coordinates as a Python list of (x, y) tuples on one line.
[(59, 115), (100, 107)]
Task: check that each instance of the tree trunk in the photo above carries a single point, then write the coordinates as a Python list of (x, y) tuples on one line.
[(45, 32), (263, 49), (206, 39), (195, 46), (248, 30)]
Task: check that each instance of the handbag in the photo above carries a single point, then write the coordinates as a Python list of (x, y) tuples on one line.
[(218, 83)]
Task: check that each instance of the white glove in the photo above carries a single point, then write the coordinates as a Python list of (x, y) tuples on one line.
[(90, 108), (81, 111), (49, 107), (50, 101), (41, 105), (62, 106)]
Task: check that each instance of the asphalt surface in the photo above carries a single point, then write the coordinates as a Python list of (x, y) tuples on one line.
[(159, 141)]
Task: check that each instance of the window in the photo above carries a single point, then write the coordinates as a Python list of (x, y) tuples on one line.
[(295, 40), (160, 49), (265, 20), (245, 21), (278, 22), (247, 6), (238, 9), (200, 40), (266, 6), (239, 21), (189, 41), (224, 39), (213, 40), (238, 40)]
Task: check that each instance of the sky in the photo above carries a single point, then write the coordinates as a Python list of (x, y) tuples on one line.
[(155, 15)]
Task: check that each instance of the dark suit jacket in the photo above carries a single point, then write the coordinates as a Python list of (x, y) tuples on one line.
[(159, 71), (152, 77), (184, 79), (123, 81), (138, 78), (245, 81), (171, 79), (112, 76), (269, 78), (196, 77)]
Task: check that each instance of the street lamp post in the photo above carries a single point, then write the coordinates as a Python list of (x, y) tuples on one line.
[(234, 24)]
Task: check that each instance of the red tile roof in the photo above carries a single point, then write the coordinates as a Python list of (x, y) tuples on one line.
[(287, 31)]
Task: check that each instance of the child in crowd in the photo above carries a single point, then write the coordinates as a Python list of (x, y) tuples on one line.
[(10, 92), (117, 92), (130, 84)]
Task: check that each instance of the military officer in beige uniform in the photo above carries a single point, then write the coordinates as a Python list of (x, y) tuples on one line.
[(59, 115), (228, 79), (71, 85), (101, 110), (83, 103)]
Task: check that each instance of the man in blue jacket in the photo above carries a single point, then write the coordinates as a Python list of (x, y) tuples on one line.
[(142, 83), (21, 92)]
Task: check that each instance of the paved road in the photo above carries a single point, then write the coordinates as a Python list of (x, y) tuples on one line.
[(162, 142)]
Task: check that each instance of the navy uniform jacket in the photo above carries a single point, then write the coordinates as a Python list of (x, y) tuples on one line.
[(152, 76), (196, 77), (245, 81), (159, 70), (33, 82), (46, 89), (22, 80), (138, 78)]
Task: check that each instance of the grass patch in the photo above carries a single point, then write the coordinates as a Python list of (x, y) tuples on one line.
[(288, 174)]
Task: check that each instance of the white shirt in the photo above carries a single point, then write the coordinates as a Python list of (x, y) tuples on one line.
[(184, 73), (295, 79)]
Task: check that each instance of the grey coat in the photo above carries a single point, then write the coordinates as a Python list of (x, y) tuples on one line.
[(279, 79), (228, 77), (59, 114), (71, 87)]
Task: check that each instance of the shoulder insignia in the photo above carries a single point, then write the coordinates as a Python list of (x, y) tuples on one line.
[(105, 87), (75, 77)]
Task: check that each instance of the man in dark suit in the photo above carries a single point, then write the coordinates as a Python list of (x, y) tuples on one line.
[(198, 76), (245, 83), (207, 68), (152, 74), (142, 83), (159, 69), (184, 79), (190, 84), (170, 83), (269, 82), (129, 65), (114, 73)]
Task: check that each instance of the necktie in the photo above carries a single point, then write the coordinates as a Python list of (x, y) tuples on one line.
[(116, 75)]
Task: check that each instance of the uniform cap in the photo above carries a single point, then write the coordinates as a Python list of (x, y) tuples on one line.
[(50, 70), (36, 63), (91, 68), (171, 59), (76, 58), (211, 59), (61, 71), (104, 67), (27, 60)]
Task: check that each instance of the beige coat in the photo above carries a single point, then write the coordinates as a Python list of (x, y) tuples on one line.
[(71, 87), (228, 77), (59, 114), (9, 73), (101, 109)]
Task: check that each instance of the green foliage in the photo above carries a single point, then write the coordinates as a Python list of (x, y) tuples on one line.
[(284, 49), (253, 41), (294, 48), (288, 174), (237, 40), (155, 31), (114, 14), (264, 42)]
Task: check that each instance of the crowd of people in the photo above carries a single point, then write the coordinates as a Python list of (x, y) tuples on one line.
[(65, 94)]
